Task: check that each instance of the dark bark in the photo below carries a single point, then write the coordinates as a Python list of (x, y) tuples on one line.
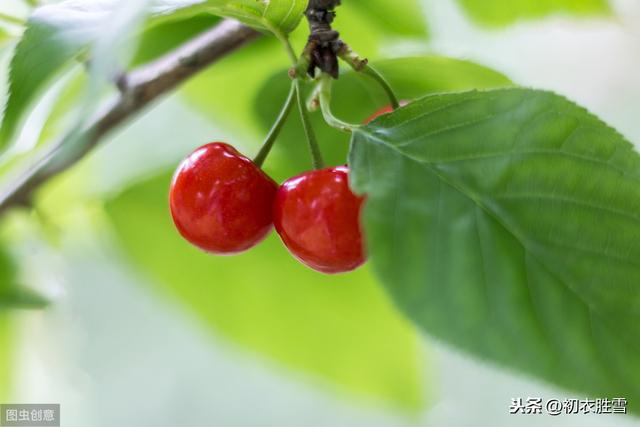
[(324, 42)]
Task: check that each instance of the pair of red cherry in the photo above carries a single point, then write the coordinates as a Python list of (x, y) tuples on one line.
[(224, 203)]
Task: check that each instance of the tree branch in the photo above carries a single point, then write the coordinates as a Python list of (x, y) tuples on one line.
[(138, 89)]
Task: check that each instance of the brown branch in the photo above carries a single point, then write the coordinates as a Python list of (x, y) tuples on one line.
[(138, 89)]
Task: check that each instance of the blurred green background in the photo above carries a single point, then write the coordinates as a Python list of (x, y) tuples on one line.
[(143, 329)]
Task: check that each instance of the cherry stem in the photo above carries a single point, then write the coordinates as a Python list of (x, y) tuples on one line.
[(375, 74), (316, 155), (276, 128), (314, 148), (287, 46), (361, 65), (326, 83)]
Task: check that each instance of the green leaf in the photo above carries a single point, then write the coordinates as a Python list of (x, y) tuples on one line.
[(55, 35), (497, 13), (356, 97), (341, 330), (277, 16), (506, 223)]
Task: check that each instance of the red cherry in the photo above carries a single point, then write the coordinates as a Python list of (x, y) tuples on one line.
[(318, 219), (384, 110), (221, 201)]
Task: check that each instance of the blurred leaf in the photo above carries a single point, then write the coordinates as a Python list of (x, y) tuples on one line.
[(497, 13), (506, 223), (356, 97), (65, 108), (12, 295), (341, 329), (6, 361), (9, 17), (4, 35), (22, 298), (167, 10), (404, 18), (56, 34), (7, 270), (166, 36)]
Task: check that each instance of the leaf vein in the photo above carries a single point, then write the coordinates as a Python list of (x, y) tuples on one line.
[(569, 201)]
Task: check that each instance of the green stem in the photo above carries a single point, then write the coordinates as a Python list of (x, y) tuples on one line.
[(316, 156), (326, 82), (276, 128), (360, 64), (314, 148), (372, 72), (287, 46)]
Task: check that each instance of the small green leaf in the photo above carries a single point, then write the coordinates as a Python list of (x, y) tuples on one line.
[(285, 15), (497, 13), (507, 223), (277, 16), (341, 330)]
